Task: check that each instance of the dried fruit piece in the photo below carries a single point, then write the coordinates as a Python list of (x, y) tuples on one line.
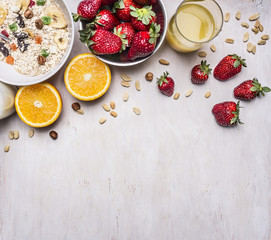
[(6, 148), (31, 133), (58, 19), (137, 111), (125, 97), (261, 28), (249, 47), (16, 134), (53, 135), (3, 13), (213, 48), (28, 14), (255, 30), (23, 4), (114, 114), (244, 24), (254, 17), (257, 23), (238, 15), (102, 120), (125, 84), (39, 24), (207, 95), (61, 41), (229, 40), (261, 42), (11, 135), (149, 76), (10, 60), (265, 37), (125, 77), (106, 107), (176, 96), (202, 54), (112, 105), (188, 93), (137, 85), (254, 49), (163, 62), (38, 39), (227, 17), (246, 37), (30, 33), (41, 60)]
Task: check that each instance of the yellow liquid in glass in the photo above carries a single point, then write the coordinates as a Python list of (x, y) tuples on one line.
[(190, 27)]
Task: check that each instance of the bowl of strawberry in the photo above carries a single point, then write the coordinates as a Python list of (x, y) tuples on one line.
[(122, 32)]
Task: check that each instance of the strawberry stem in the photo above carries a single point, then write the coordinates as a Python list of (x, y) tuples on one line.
[(236, 118), (162, 79)]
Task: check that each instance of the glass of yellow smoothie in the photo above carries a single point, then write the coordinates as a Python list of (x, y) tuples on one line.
[(195, 23)]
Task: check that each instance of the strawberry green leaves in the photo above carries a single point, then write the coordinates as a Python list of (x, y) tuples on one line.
[(238, 60), (257, 87), (144, 14), (154, 32)]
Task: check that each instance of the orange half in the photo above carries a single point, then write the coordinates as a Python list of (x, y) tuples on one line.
[(87, 78), (38, 105)]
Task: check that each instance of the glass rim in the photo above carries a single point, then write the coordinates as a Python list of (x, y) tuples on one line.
[(175, 20)]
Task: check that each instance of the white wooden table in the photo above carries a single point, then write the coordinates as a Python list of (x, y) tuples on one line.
[(171, 173)]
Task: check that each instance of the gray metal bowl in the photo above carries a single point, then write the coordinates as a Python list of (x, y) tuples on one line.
[(11, 76), (121, 59)]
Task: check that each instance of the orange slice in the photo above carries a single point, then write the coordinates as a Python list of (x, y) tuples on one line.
[(87, 78), (38, 105)]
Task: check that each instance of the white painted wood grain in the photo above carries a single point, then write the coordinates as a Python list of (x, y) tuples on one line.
[(171, 173)]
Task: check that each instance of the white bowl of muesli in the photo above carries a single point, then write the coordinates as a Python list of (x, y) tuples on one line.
[(40, 37)]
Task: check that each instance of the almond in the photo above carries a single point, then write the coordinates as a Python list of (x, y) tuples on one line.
[(11, 135), (125, 77), (254, 49), (229, 40), (238, 15), (207, 95), (106, 107), (176, 96), (255, 30), (261, 28), (244, 24), (257, 23), (246, 37), (102, 120), (227, 17), (265, 37), (136, 111), (213, 47), (112, 105), (261, 42), (16, 134), (188, 93), (31, 133), (6, 148), (114, 114), (137, 85), (249, 47), (254, 17), (125, 84), (125, 97), (202, 54)]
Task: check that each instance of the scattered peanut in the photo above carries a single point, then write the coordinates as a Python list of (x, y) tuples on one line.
[(31, 133), (11, 135), (261, 28), (125, 97), (227, 17), (163, 62), (261, 42), (255, 30), (254, 49), (202, 54), (125, 77), (257, 23), (207, 95), (6, 148), (112, 105), (113, 113), (254, 17), (16, 134), (265, 37), (137, 111), (229, 40), (188, 93), (238, 15), (176, 96), (244, 24), (102, 120), (246, 37), (137, 85), (125, 84), (106, 107), (213, 47), (249, 47)]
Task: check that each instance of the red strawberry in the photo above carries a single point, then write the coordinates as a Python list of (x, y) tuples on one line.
[(200, 73), (108, 2), (145, 2), (227, 113), (122, 9), (87, 10), (128, 30), (105, 20), (143, 43), (228, 67), (104, 42), (249, 89), (166, 84), (142, 18)]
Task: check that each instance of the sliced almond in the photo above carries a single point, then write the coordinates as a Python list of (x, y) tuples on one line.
[(106, 107), (261, 28), (202, 54), (163, 62), (229, 40), (257, 23), (137, 111), (227, 17), (102, 120), (261, 42), (207, 95), (246, 37), (249, 47), (6, 148), (112, 105), (255, 30), (114, 114), (238, 15), (125, 77), (188, 93), (213, 48), (254, 49), (244, 24), (254, 17), (125, 97), (176, 96), (137, 85), (125, 84), (265, 37)]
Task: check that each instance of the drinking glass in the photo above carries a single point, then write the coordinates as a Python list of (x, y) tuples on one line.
[(195, 22)]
